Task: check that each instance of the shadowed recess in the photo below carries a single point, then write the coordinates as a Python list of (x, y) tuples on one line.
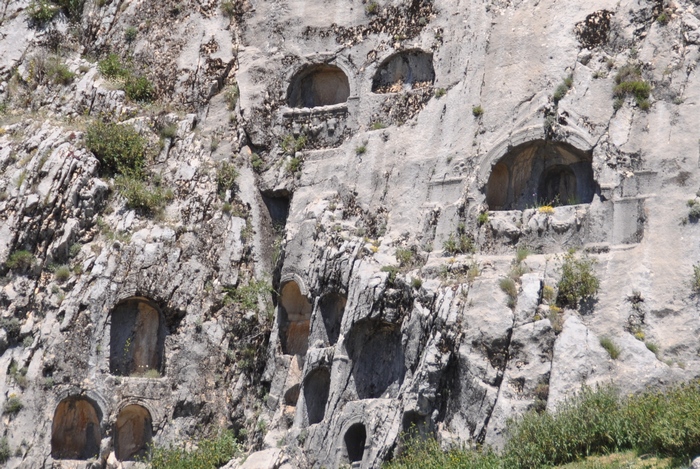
[(316, 388), (133, 432), (404, 71), (541, 173), (75, 432), (137, 336), (318, 85), (294, 317)]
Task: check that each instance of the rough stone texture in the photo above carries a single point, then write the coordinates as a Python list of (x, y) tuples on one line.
[(348, 199)]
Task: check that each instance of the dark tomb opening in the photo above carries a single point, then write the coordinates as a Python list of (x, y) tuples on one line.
[(295, 318), (541, 173), (332, 307), (75, 431), (318, 85), (404, 71), (355, 439), (316, 388), (137, 338), (133, 432)]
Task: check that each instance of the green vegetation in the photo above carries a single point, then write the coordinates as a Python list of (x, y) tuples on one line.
[(130, 34), (378, 125), (294, 165), (226, 175), (440, 92), (12, 326), (578, 281), (136, 87), (462, 243), (510, 288), (231, 95), (62, 274), (5, 452), (140, 195), (230, 8), (291, 145), (563, 88), (13, 404), (521, 254), (20, 261), (257, 162), (248, 296), (629, 82), (663, 18), (477, 111), (393, 272), (695, 283), (694, 210), (482, 218), (210, 454), (41, 11), (595, 422), (612, 349), (653, 348), (57, 72), (372, 8), (361, 150), (119, 148), (139, 88)]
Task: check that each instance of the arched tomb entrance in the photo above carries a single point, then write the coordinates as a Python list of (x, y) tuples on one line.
[(133, 433), (75, 431), (318, 85), (541, 173), (137, 337), (294, 320), (355, 439), (332, 307), (404, 71), (378, 365), (316, 388)]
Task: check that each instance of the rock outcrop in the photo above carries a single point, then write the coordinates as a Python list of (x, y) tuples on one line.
[(352, 221)]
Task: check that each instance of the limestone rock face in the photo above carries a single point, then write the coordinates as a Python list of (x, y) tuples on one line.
[(351, 221)]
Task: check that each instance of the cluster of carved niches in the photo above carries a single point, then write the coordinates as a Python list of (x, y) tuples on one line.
[(137, 337), (326, 85), (77, 431)]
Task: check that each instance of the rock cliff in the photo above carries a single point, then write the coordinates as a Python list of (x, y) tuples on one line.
[(349, 219)]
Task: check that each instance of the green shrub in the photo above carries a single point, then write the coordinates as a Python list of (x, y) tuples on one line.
[(231, 95), (139, 88), (417, 283), (372, 8), (5, 451), (169, 131), (248, 296), (20, 261), (12, 326), (593, 422), (229, 8), (210, 454), (653, 348), (440, 92), (62, 274), (226, 175), (130, 34), (142, 196), (563, 88), (483, 218), (41, 11), (578, 281), (460, 244), (510, 288), (361, 150), (521, 254), (393, 271), (58, 73), (694, 210), (628, 81), (695, 283), (663, 18), (291, 145), (257, 162), (13, 404), (378, 125), (119, 148), (72, 8), (612, 349), (112, 67), (293, 165), (477, 111)]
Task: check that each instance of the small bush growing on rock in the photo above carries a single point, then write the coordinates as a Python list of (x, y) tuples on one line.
[(694, 210), (291, 145), (563, 88), (440, 92), (11, 326), (372, 8), (41, 11), (226, 175), (510, 288), (460, 244), (130, 33), (20, 261), (482, 218), (477, 111), (12, 405), (210, 454), (62, 274), (629, 82), (112, 67), (119, 148), (653, 348), (293, 165), (5, 452), (140, 195), (229, 8), (139, 88), (57, 72), (695, 283), (256, 162), (578, 281), (612, 349), (231, 95)]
